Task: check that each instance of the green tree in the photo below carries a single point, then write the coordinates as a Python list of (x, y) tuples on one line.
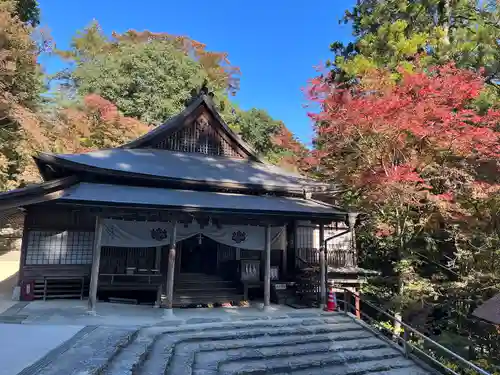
[(257, 127), (149, 81), (389, 33), (28, 11), (148, 76)]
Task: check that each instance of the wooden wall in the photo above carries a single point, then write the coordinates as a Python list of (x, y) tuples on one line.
[(57, 241)]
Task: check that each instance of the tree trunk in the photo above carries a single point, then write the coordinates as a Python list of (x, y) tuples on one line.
[(444, 17), (398, 309)]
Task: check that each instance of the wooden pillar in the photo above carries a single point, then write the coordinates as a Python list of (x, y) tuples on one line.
[(357, 304), (96, 260), (295, 243), (24, 249), (284, 255), (351, 220), (158, 267), (171, 266), (267, 268), (322, 265)]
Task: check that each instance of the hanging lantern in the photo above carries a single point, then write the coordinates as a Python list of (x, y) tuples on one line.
[(200, 238)]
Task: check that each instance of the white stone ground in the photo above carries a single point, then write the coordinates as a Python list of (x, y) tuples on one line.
[(22, 345), (109, 314), (9, 267)]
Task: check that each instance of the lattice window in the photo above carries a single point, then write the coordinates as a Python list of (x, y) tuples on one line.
[(52, 247), (199, 137)]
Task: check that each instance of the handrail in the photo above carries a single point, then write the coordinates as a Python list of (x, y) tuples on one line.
[(304, 261), (406, 344)]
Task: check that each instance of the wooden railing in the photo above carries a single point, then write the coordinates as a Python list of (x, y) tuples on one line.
[(336, 258), (414, 344)]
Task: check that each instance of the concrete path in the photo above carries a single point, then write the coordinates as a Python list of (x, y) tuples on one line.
[(23, 345)]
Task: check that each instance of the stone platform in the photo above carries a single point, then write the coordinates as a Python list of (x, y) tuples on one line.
[(220, 341)]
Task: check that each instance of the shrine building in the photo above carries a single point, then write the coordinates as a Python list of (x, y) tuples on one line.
[(186, 214)]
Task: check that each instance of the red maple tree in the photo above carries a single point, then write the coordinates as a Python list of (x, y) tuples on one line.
[(415, 154), (382, 133)]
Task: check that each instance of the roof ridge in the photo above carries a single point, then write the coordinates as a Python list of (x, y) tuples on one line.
[(173, 121)]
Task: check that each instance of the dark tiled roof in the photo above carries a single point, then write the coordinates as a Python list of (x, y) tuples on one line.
[(490, 310), (189, 167)]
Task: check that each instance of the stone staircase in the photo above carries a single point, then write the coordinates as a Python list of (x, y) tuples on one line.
[(200, 288), (298, 343)]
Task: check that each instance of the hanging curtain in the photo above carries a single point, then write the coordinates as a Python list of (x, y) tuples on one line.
[(120, 233)]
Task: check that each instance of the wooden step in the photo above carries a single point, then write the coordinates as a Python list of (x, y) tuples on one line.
[(178, 302), (198, 279), (201, 288), (204, 285), (204, 294)]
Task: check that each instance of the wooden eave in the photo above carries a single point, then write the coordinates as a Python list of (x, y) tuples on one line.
[(220, 213), (46, 191), (68, 167)]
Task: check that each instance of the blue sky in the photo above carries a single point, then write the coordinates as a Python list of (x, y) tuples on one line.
[(275, 43)]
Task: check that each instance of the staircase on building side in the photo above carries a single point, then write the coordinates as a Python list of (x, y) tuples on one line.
[(199, 288)]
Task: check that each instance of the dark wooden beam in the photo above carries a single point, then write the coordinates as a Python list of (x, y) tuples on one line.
[(322, 264), (171, 270), (94, 275), (267, 268)]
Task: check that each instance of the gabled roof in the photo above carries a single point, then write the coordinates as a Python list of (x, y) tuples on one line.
[(178, 121), (152, 158)]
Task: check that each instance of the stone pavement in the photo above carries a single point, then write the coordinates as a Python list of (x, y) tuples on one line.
[(75, 312), (140, 340)]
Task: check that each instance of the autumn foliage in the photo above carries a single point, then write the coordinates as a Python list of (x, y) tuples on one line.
[(216, 64), (96, 124), (401, 139), (394, 130), (419, 155)]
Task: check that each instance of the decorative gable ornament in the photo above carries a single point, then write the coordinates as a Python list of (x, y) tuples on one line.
[(239, 237), (159, 234)]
